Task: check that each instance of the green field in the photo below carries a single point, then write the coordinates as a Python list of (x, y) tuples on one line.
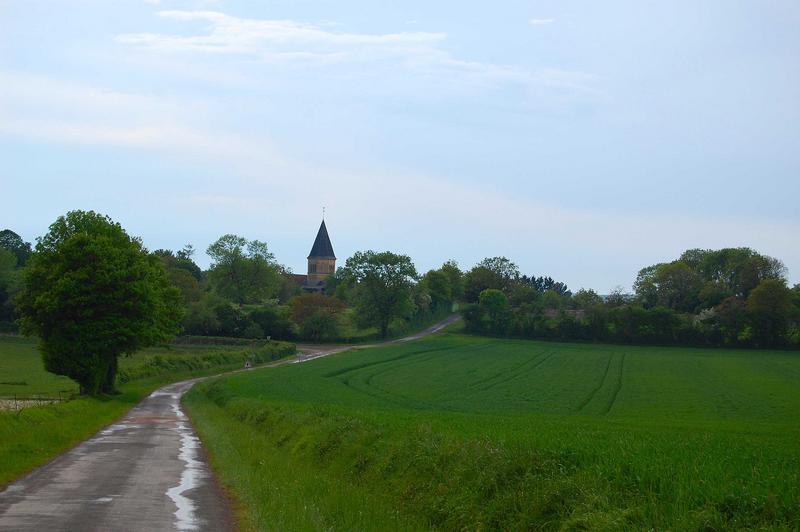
[(35, 434), (457, 432)]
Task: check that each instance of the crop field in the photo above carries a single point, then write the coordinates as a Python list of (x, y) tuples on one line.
[(461, 432)]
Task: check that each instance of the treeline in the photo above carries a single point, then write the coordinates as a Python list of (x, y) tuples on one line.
[(728, 297), (247, 293)]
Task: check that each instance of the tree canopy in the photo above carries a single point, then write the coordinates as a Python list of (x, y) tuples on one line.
[(382, 286), (15, 244), (243, 271), (91, 293)]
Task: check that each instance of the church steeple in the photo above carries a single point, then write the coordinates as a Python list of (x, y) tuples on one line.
[(321, 260), (322, 247)]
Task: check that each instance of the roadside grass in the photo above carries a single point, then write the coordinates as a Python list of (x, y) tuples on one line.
[(32, 436), (271, 494), (456, 432)]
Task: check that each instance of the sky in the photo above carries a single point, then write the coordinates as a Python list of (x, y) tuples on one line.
[(583, 140)]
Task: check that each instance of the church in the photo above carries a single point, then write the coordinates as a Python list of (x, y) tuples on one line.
[(321, 263)]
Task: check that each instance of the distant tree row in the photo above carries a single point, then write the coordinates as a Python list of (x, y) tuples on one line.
[(727, 297)]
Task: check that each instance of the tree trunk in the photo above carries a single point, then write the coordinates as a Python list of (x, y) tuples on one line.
[(110, 377)]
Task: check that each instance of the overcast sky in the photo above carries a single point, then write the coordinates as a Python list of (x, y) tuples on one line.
[(583, 140)]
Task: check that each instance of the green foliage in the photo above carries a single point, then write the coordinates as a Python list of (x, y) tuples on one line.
[(701, 299), (91, 293), (456, 278), (8, 287), (321, 326), (304, 306), (201, 318), (188, 285), (495, 272), (11, 241), (273, 320), (437, 285), (586, 299), (674, 285), (494, 304), (468, 433), (382, 287), (243, 271), (182, 260), (193, 359), (769, 307)]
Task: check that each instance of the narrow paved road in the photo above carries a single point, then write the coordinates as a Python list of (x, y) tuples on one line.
[(145, 472)]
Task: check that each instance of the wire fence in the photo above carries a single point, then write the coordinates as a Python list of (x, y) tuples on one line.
[(18, 402)]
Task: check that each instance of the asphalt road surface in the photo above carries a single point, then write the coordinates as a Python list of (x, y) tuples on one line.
[(145, 472)]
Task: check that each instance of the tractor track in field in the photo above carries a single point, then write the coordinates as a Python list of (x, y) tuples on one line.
[(413, 354), (599, 387), (414, 361), (505, 372), (617, 387), (538, 361)]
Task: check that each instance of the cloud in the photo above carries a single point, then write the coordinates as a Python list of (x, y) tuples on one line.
[(541, 21), (234, 35), (289, 42)]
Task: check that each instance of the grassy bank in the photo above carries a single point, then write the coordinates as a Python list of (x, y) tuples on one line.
[(32, 436), (457, 432)]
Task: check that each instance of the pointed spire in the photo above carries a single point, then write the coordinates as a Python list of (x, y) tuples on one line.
[(322, 244)]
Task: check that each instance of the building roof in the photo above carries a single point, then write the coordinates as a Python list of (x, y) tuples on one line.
[(298, 278), (322, 244)]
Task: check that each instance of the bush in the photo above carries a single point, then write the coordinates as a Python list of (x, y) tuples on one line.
[(320, 326), (274, 321), (253, 330)]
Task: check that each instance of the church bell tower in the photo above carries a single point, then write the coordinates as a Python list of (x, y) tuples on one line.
[(321, 260)]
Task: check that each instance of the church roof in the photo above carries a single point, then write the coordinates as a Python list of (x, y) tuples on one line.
[(322, 244)]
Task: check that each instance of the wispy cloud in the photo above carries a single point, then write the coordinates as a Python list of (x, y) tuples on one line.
[(541, 21), (271, 38), (299, 43)]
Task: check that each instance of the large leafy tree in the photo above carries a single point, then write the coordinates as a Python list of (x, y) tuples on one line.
[(735, 270), (243, 271), (492, 272), (382, 287), (456, 277), (92, 293), (436, 284)]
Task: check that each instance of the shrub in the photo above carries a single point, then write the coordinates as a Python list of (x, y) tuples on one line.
[(320, 326)]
